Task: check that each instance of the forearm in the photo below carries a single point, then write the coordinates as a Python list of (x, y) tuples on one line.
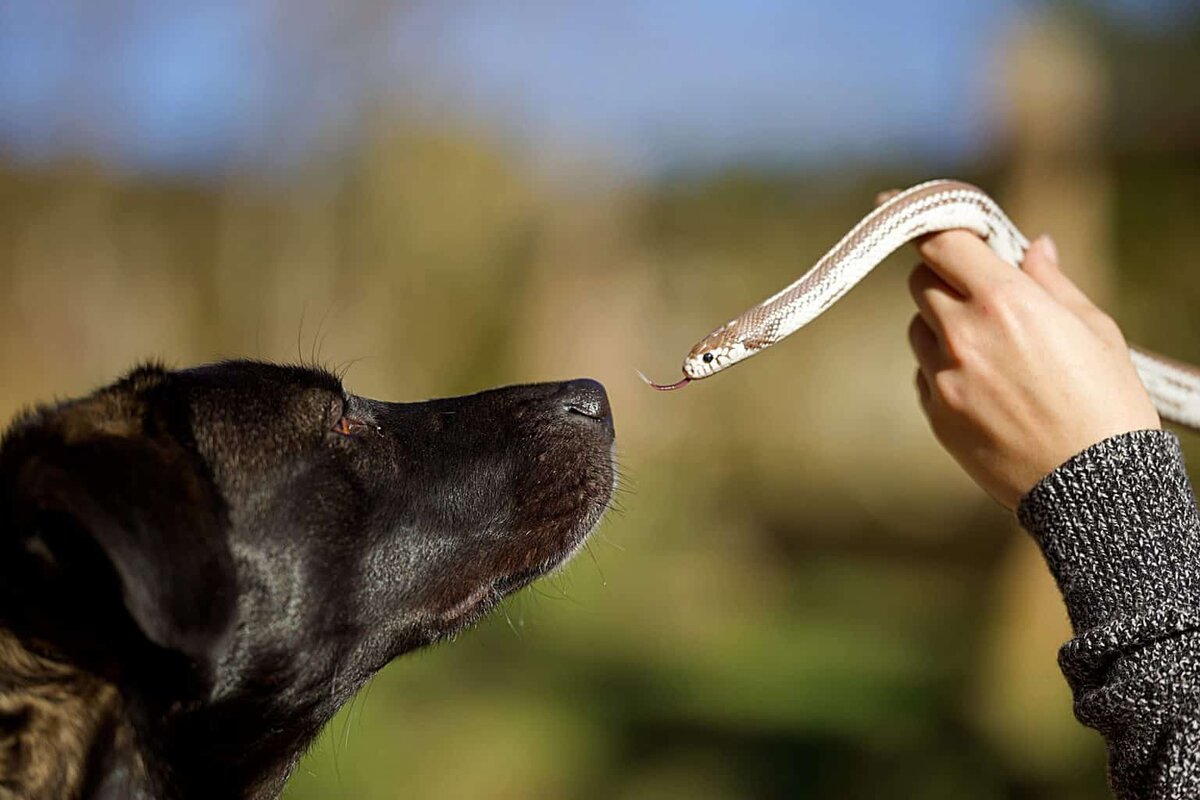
[(1119, 527)]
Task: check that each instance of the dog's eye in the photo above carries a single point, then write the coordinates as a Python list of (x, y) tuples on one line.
[(349, 426)]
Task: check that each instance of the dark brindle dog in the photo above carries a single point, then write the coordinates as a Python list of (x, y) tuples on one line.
[(197, 568)]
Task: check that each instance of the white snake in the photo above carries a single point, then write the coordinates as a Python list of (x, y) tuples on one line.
[(927, 208)]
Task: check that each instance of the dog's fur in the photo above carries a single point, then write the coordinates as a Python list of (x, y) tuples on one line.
[(197, 568)]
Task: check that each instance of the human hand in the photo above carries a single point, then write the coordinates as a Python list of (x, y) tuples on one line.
[(1018, 369)]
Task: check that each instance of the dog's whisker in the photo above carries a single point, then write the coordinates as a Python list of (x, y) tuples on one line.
[(602, 537), (555, 582), (344, 368), (587, 546), (300, 333), (564, 594), (560, 593), (346, 719), (504, 609), (318, 339)]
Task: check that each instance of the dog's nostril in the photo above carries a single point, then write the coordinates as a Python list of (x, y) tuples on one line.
[(587, 397)]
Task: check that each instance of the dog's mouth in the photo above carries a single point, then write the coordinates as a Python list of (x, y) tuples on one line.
[(538, 551), (588, 522)]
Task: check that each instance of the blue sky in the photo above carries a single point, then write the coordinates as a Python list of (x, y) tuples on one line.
[(198, 87)]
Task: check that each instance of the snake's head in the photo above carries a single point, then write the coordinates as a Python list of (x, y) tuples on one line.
[(715, 352), (720, 349)]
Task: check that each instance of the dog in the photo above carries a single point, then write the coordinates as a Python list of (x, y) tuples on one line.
[(199, 567)]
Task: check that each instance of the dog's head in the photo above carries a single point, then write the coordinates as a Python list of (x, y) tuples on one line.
[(244, 544)]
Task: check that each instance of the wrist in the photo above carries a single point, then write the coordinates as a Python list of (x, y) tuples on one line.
[(1113, 522)]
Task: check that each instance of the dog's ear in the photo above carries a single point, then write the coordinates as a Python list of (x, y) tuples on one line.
[(106, 520)]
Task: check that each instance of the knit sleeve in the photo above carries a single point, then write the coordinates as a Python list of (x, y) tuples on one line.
[(1119, 528)]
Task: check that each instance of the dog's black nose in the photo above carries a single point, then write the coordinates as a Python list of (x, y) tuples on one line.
[(586, 397)]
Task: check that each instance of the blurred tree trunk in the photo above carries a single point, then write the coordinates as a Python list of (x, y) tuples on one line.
[(1058, 184)]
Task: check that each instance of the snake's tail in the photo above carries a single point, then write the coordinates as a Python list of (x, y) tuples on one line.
[(664, 387)]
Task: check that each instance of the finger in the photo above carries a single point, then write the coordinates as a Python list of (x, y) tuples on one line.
[(931, 355), (924, 393), (937, 301), (964, 261), (1041, 264), (884, 196)]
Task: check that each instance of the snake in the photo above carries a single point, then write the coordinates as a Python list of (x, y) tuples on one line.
[(930, 207)]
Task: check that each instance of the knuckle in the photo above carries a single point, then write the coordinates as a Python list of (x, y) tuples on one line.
[(923, 392), (943, 430), (1005, 305), (1107, 327), (994, 292), (959, 344), (986, 296), (915, 329), (916, 279), (1012, 315), (949, 390)]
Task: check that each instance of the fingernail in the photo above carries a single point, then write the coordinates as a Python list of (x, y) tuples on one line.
[(1049, 248)]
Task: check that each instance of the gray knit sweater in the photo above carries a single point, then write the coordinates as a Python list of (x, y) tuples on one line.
[(1119, 527)]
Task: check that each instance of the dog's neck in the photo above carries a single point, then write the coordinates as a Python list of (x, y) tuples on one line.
[(62, 730), (67, 733)]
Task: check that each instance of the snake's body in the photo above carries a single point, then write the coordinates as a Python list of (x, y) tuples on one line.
[(927, 208)]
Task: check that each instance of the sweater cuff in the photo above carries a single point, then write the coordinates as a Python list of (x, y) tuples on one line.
[(1118, 526)]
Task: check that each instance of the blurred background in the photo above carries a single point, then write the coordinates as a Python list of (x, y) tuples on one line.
[(798, 595)]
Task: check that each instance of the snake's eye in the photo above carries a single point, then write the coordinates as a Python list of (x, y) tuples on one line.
[(707, 358)]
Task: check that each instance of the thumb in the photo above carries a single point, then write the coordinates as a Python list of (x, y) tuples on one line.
[(1041, 264), (885, 195)]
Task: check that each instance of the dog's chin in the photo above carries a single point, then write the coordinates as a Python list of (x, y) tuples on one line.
[(479, 601)]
